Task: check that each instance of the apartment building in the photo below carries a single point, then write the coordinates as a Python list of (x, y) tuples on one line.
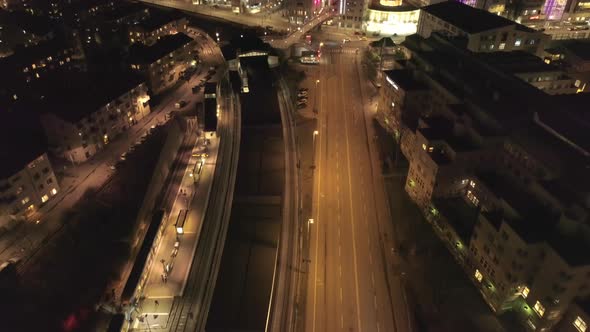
[(161, 63), (22, 29), (481, 30), (30, 64), (546, 77), (500, 175), (27, 180), (577, 318), (401, 91), (351, 14), (158, 25), (85, 111)]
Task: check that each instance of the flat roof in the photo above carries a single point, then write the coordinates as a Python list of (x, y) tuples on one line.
[(517, 62), (140, 53), (469, 19), (579, 48), (385, 42), (25, 56), (142, 255), (71, 95), (36, 24), (158, 19), (404, 79), (22, 140), (462, 216)]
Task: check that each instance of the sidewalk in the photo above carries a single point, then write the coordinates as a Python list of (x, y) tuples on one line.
[(195, 198)]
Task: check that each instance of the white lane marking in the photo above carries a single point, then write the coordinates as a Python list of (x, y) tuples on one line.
[(337, 188), (373, 278), (377, 326), (340, 294), (369, 239), (356, 277), (339, 247), (317, 238), (338, 232), (340, 270), (370, 258), (341, 321), (375, 300)]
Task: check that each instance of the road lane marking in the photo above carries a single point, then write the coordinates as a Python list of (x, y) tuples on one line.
[(317, 238), (340, 270), (373, 278), (370, 258), (340, 294), (375, 300), (339, 247), (356, 277), (341, 321), (377, 326)]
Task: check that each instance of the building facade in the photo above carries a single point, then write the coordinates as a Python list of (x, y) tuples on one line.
[(27, 189), (161, 63), (149, 31), (481, 30), (77, 132), (482, 154)]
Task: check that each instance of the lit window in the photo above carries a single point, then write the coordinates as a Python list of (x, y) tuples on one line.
[(525, 292), (424, 147), (464, 181), (472, 184), (31, 207), (53, 191), (44, 198), (539, 308), (392, 104), (472, 198), (25, 200), (518, 42), (478, 275), (580, 324), (430, 149)]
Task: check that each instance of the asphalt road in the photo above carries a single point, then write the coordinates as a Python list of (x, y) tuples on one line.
[(349, 288)]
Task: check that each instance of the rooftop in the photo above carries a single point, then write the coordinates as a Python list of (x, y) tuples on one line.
[(461, 215), (469, 19), (123, 11), (37, 25), (385, 42), (140, 53), (442, 129), (402, 78), (376, 5), (21, 139), (25, 56), (159, 19), (517, 62), (72, 95), (579, 48)]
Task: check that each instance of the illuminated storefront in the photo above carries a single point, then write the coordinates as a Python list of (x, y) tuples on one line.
[(391, 17)]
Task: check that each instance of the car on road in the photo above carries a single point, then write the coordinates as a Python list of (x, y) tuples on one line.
[(196, 89), (180, 104), (123, 156), (302, 100), (303, 89), (302, 94), (300, 106)]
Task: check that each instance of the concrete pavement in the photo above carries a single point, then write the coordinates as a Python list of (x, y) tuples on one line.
[(195, 200), (350, 287)]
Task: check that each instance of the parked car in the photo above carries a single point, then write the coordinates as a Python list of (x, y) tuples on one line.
[(196, 89), (300, 106), (123, 156), (303, 89), (302, 100), (302, 94), (180, 104)]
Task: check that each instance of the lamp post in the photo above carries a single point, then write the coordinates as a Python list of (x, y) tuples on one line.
[(315, 133), (315, 106)]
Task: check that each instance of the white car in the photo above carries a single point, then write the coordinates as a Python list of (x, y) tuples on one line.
[(123, 156)]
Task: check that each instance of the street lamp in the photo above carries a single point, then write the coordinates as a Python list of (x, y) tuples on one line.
[(315, 106), (315, 133)]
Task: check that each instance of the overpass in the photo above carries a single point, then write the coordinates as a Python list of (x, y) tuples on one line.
[(252, 20)]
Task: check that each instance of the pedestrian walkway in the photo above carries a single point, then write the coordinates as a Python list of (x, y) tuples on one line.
[(169, 273)]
